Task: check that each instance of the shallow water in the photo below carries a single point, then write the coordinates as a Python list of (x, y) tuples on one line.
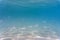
[(30, 16)]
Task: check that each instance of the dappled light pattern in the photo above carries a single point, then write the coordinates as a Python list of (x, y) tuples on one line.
[(29, 33)]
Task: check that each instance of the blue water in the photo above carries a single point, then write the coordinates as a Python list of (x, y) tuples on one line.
[(12, 14)]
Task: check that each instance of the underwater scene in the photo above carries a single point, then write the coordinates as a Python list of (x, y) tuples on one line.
[(29, 19)]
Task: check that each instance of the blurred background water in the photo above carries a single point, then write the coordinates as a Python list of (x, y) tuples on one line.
[(27, 13)]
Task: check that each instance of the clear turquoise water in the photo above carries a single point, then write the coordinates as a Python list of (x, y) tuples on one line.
[(20, 16)]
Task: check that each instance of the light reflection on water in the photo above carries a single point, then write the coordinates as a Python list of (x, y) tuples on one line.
[(28, 33)]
